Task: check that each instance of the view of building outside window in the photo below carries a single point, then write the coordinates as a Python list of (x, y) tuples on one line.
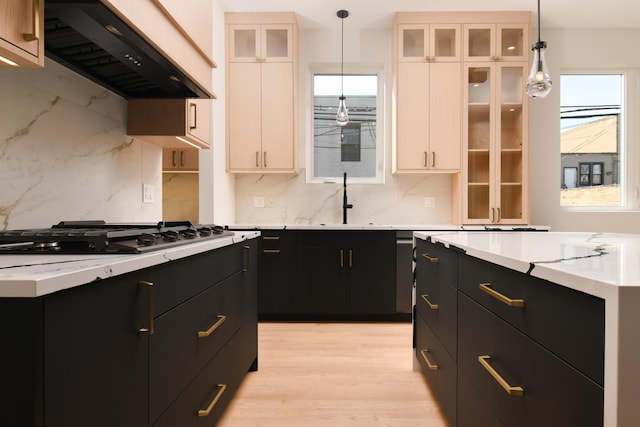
[(591, 142), (351, 148)]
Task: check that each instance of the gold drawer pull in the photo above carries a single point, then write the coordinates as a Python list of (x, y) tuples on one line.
[(204, 334), (431, 366), (149, 329), (270, 237), (430, 258), (206, 412), (35, 14), (271, 251), (431, 306), (512, 391), (500, 297)]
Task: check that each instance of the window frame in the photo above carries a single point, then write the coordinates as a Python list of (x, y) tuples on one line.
[(349, 69), (629, 141)]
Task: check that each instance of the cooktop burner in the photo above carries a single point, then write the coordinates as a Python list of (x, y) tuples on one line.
[(98, 237)]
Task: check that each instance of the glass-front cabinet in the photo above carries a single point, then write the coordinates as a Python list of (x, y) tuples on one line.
[(495, 169), (429, 42), (496, 42), (261, 43)]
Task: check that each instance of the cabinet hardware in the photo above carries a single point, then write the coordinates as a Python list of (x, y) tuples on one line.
[(247, 252), (220, 321), (493, 215), (257, 159), (35, 33), (512, 391), (500, 297), (194, 116), (181, 158), (270, 237), (433, 159), (432, 306), (206, 412), (499, 215), (149, 329), (271, 251), (426, 155), (264, 159), (430, 258), (173, 158), (341, 258), (432, 366), (350, 258)]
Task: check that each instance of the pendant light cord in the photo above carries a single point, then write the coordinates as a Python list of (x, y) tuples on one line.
[(538, 21), (342, 58)]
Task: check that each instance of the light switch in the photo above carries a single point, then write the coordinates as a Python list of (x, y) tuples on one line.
[(148, 193)]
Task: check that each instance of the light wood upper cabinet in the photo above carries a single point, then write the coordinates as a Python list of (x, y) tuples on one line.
[(496, 42), (170, 122), (180, 160), (428, 96), (261, 92), (495, 171), (22, 33)]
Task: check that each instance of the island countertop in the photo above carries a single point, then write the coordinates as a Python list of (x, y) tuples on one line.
[(605, 265), (36, 275)]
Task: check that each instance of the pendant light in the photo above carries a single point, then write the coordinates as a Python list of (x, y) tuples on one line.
[(539, 80), (342, 117)]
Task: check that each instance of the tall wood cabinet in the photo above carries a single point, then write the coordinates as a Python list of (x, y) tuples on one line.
[(495, 122), (428, 92), (22, 33), (261, 92)]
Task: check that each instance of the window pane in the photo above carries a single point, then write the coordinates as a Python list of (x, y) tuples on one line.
[(351, 148), (590, 139)]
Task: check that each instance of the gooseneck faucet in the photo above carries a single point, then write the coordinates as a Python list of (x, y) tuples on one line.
[(345, 205)]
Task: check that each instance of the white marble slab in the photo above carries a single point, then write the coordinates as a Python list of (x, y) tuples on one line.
[(37, 275)]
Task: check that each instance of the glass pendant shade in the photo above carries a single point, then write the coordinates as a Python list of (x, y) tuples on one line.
[(342, 118), (539, 81)]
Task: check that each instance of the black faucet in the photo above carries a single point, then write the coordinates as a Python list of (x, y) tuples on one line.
[(345, 205)]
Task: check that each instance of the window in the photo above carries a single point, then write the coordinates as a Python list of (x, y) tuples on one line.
[(353, 148), (591, 139)]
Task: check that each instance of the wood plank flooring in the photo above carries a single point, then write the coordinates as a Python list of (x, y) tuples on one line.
[(334, 374)]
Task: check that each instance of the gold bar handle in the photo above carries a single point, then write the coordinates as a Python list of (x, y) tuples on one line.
[(425, 298), (204, 334), (206, 412), (149, 329), (350, 258), (432, 366), (264, 159), (486, 287), (35, 34), (512, 391), (271, 251), (181, 158), (247, 252), (433, 159), (257, 159), (173, 158), (499, 215), (193, 107), (341, 258), (430, 258), (426, 156), (270, 237)]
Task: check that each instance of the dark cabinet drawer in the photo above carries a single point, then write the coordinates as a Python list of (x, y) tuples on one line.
[(435, 263), (473, 411), (187, 337), (438, 367), (554, 393), (568, 322), (277, 238), (438, 305)]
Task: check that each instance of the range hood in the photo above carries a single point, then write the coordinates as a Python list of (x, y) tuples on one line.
[(87, 37)]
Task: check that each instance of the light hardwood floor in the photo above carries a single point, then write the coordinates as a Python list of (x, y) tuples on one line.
[(334, 374)]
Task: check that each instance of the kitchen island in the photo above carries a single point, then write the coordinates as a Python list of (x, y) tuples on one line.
[(543, 327), (161, 338)]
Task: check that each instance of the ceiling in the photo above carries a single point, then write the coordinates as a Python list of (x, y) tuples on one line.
[(378, 14)]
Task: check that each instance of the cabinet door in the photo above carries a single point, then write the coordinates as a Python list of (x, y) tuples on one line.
[(244, 116), (244, 43), (445, 43), (22, 32), (180, 159), (413, 42), (198, 123), (479, 42), (412, 116), (278, 116), (445, 116), (95, 365), (512, 42), (496, 42), (276, 43), (277, 284), (324, 269)]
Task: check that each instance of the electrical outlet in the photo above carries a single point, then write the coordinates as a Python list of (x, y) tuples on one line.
[(258, 202), (429, 202), (148, 193)]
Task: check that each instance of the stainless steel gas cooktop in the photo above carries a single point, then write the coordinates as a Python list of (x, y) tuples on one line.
[(98, 237)]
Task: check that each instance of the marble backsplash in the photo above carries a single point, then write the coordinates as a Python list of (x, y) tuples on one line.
[(289, 200), (64, 153)]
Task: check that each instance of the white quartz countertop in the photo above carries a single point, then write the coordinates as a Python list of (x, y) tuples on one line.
[(37, 275), (371, 226), (595, 263)]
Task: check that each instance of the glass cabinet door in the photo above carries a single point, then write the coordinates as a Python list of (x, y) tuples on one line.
[(413, 43), (276, 43), (261, 43), (445, 43), (479, 42), (496, 42), (511, 140), (244, 43), (512, 42), (479, 141)]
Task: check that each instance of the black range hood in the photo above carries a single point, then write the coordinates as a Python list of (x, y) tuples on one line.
[(87, 37)]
